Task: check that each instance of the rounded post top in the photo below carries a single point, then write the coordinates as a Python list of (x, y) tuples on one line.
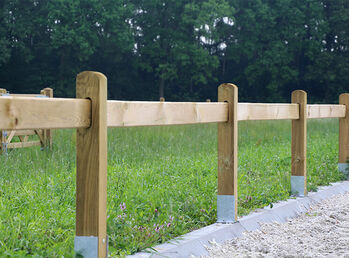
[(227, 92), (343, 95), (90, 74), (344, 100), (299, 96), (227, 85), (299, 92)]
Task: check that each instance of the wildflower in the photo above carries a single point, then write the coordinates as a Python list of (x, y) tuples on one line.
[(156, 228), (156, 210), (122, 206), (171, 218), (169, 224)]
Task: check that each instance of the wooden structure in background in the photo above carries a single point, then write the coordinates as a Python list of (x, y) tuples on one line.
[(92, 114), (44, 136)]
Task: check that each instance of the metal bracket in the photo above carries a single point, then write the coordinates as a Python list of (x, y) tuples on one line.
[(41, 96), (344, 168), (226, 208), (297, 185), (86, 246)]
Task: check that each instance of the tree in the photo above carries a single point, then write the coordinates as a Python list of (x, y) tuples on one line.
[(171, 39), (272, 47), (51, 41)]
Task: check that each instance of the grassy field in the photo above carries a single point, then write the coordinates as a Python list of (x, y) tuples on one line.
[(162, 182)]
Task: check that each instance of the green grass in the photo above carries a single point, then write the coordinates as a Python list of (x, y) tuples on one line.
[(162, 182)]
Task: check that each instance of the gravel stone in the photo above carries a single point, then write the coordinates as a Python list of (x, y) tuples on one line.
[(323, 231)]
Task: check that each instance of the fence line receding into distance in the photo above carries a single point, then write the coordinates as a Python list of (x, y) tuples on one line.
[(91, 114)]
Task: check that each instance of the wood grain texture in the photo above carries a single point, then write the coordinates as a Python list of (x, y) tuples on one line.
[(18, 113), (299, 137), (3, 140), (91, 160), (325, 111), (133, 113), (41, 136), (267, 111), (24, 132), (228, 144), (344, 130), (25, 144), (25, 95), (10, 136)]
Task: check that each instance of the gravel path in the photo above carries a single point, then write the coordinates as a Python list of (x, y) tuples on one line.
[(321, 232)]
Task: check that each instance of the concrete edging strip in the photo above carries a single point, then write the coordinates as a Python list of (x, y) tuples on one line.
[(194, 242)]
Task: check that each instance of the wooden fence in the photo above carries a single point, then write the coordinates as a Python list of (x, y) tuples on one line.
[(91, 114), (44, 137)]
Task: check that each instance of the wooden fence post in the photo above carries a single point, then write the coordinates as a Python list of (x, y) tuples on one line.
[(299, 146), (47, 133), (227, 156), (2, 137), (344, 136), (2, 142), (91, 169)]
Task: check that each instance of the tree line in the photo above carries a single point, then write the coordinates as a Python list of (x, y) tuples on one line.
[(177, 49)]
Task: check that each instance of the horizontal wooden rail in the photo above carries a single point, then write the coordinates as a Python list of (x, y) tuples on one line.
[(13, 145), (24, 132), (265, 111), (133, 113), (17, 113), (325, 111), (25, 95)]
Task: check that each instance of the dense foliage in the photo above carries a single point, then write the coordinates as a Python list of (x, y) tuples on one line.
[(178, 49)]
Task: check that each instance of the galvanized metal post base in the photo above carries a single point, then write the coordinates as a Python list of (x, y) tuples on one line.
[(86, 246), (344, 168), (297, 185), (225, 208)]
